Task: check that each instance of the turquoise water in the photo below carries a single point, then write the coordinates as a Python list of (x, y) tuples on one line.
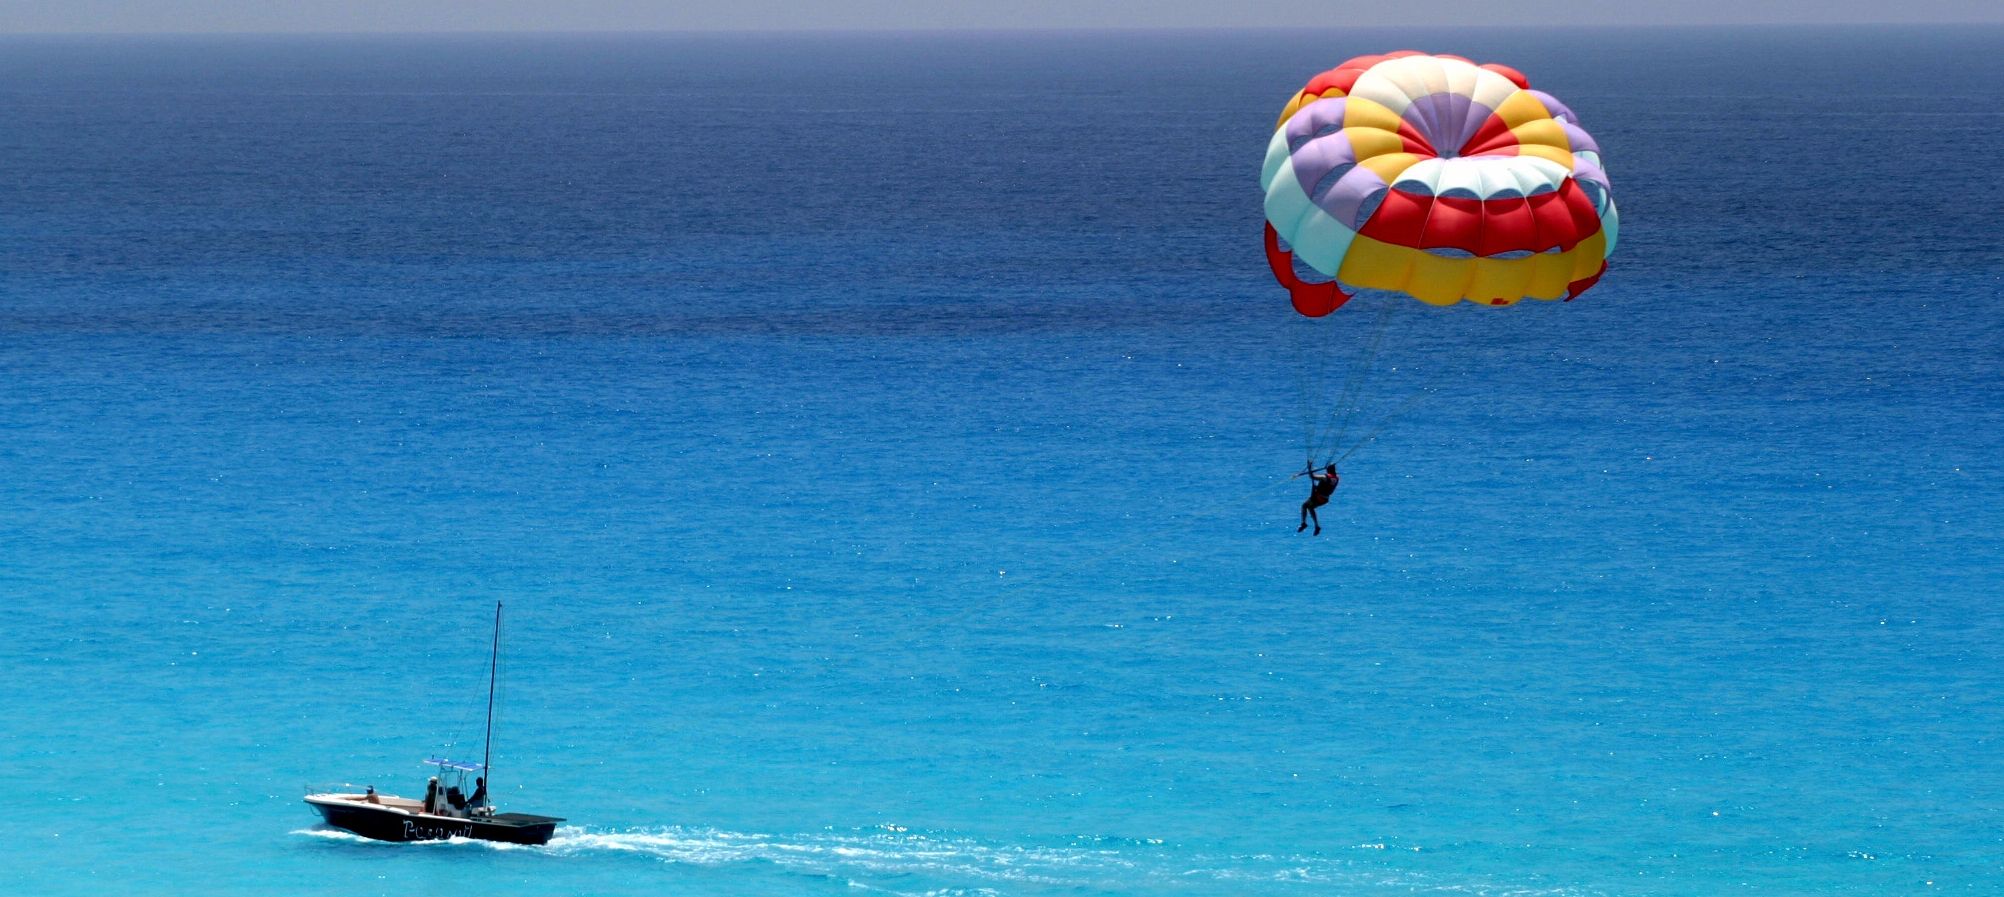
[(880, 443)]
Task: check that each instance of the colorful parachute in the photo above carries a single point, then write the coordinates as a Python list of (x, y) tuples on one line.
[(1437, 178)]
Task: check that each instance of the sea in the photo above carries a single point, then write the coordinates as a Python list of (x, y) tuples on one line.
[(881, 445)]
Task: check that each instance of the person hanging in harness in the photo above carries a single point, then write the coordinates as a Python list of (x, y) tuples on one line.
[(1322, 485)]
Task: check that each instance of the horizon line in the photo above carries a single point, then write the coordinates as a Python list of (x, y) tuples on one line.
[(1028, 29)]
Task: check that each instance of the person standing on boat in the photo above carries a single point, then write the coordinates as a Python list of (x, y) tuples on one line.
[(479, 798), (431, 796)]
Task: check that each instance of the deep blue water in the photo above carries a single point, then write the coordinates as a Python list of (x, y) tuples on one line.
[(880, 441)]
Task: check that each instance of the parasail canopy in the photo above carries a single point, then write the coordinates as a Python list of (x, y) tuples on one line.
[(1437, 178)]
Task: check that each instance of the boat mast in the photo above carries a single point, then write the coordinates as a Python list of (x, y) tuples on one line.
[(487, 746)]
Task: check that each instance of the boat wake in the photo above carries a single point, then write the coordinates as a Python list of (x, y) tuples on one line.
[(868, 855), (894, 861)]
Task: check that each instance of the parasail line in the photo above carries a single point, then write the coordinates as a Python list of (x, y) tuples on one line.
[(1353, 385)]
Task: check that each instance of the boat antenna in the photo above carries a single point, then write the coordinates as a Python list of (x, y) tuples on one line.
[(493, 665)]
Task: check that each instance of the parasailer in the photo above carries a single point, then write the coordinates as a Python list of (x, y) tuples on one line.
[(1321, 486), (1427, 177)]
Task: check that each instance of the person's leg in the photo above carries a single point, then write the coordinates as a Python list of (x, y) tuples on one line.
[(1304, 518), (1318, 521)]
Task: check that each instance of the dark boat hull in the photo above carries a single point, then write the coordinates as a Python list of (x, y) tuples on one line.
[(385, 824)]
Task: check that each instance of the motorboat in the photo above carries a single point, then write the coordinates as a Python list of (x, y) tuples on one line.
[(449, 809), (386, 817)]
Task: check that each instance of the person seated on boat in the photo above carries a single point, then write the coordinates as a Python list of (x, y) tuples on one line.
[(479, 798), (455, 798), (431, 795), (371, 797)]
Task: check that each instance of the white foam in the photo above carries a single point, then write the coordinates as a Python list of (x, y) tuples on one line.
[(332, 834), (963, 867)]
